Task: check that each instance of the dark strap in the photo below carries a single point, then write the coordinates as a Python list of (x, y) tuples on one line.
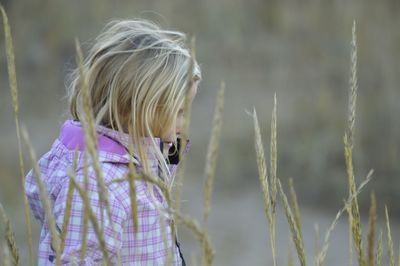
[(180, 252)]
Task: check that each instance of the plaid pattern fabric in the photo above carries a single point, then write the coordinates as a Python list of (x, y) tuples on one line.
[(147, 247)]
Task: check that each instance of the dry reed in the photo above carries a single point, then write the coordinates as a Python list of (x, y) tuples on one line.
[(93, 219), (44, 197), (185, 127), (292, 211), (85, 227), (273, 172), (132, 187), (371, 231), (294, 230), (201, 235), (10, 237), (295, 205), (167, 194), (353, 87), (67, 211), (263, 176), (350, 237), (12, 76), (379, 250), (90, 137), (90, 132), (178, 180), (321, 256), (211, 161), (273, 159), (354, 212), (389, 239)]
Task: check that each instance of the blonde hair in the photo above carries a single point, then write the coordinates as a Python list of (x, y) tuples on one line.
[(138, 78)]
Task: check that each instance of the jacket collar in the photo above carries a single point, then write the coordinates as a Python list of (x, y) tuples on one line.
[(112, 145)]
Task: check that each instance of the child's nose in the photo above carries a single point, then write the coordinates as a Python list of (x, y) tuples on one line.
[(178, 129)]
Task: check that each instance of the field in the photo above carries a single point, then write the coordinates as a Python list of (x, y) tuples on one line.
[(300, 51)]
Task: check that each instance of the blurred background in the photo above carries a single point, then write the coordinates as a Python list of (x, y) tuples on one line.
[(298, 49)]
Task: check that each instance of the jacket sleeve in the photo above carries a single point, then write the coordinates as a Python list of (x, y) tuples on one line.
[(73, 239)]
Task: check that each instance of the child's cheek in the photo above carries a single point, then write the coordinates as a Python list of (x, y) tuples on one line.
[(179, 124)]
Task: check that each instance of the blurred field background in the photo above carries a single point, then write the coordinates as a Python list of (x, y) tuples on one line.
[(298, 49)]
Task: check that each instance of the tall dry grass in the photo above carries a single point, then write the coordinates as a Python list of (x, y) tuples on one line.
[(12, 76), (353, 211), (351, 204), (371, 230), (264, 181), (11, 245), (271, 186), (44, 197)]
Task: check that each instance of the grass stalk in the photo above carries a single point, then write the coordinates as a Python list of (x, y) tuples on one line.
[(91, 143), (389, 239), (93, 219), (295, 205), (184, 135), (353, 88), (85, 227), (350, 236), (354, 212), (379, 250), (273, 169), (67, 211), (273, 159), (201, 235), (90, 131), (294, 230), (10, 237), (185, 128), (263, 176), (167, 194), (132, 188), (12, 76), (211, 161), (371, 230), (322, 255), (212, 153), (44, 197)]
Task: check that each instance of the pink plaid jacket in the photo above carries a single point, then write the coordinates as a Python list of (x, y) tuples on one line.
[(146, 247)]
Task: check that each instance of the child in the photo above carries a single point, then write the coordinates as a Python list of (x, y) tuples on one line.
[(137, 75)]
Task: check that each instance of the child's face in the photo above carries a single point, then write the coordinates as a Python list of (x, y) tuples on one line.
[(180, 118)]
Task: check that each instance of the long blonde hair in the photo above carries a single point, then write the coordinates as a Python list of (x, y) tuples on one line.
[(138, 78)]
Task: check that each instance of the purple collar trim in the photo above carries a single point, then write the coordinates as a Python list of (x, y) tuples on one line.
[(72, 136)]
